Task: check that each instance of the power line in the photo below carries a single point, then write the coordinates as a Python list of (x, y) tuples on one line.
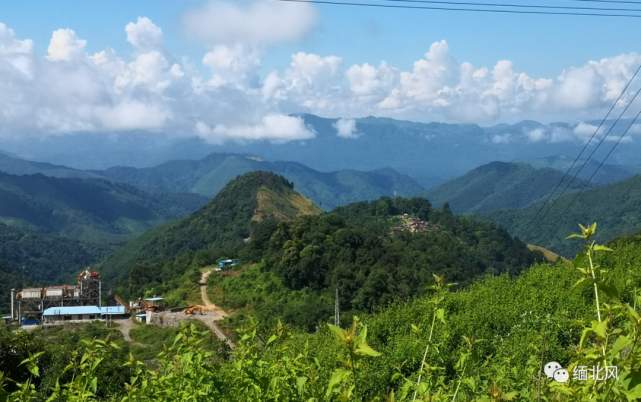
[(610, 1), (525, 232), (514, 5), (595, 149), (339, 3), (597, 169)]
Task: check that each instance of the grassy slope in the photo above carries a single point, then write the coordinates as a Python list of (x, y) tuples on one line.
[(615, 207), (498, 185), (87, 209)]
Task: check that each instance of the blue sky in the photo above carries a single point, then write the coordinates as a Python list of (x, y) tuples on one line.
[(206, 68), (542, 46)]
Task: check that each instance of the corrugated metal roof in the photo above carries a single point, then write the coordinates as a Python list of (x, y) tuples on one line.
[(32, 290), (141, 315), (113, 310), (155, 299), (72, 310)]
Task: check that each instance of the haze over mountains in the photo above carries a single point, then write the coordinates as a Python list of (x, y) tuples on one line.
[(429, 153)]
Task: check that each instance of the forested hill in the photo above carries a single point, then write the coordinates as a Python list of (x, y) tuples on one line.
[(45, 257), (499, 185), (88, 209), (303, 255), (351, 249), (222, 225), (615, 207)]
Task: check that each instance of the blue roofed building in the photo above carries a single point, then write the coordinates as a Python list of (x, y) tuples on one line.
[(56, 315)]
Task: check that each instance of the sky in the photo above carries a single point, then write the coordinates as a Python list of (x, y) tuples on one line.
[(238, 70)]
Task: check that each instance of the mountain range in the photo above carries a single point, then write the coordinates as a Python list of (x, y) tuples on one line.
[(209, 175), (430, 153)]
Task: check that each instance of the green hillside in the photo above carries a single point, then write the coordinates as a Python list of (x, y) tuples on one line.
[(223, 224), (615, 206), (42, 257), (211, 174), (9, 281), (88, 209), (498, 185)]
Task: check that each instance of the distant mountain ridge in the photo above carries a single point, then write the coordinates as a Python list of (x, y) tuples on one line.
[(88, 209), (430, 153), (499, 185), (606, 173), (209, 175)]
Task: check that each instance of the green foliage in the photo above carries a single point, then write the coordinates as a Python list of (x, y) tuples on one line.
[(482, 343)]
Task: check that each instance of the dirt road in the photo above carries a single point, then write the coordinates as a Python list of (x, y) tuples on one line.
[(125, 326), (208, 306)]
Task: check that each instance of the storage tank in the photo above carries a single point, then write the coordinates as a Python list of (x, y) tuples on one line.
[(33, 293)]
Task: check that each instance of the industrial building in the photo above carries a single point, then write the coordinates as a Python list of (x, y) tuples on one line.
[(30, 304), (55, 315)]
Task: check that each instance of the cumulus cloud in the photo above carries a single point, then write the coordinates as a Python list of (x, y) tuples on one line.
[(144, 35), (70, 91), (272, 127), (346, 128), (257, 23), (65, 45)]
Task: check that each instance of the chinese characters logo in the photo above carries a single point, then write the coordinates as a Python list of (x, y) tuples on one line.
[(581, 373)]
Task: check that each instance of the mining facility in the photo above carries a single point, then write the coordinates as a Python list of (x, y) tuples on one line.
[(29, 305)]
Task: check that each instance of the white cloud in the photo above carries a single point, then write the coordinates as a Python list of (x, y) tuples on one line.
[(65, 45), (272, 127), (346, 128), (501, 139), (70, 91), (261, 22), (144, 35), (16, 53)]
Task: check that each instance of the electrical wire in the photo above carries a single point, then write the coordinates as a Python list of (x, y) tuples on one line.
[(342, 3), (594, 150), (610, 1), (512, 5), (597, 169), (525, 232)]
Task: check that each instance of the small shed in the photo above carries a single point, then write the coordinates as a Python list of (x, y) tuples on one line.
[(6, 319), (141, 317), (156, 304)]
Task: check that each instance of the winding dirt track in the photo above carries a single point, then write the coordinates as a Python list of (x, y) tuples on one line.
[(208, 306)]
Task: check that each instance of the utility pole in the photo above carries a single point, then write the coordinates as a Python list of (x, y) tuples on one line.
[(336, 312)]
